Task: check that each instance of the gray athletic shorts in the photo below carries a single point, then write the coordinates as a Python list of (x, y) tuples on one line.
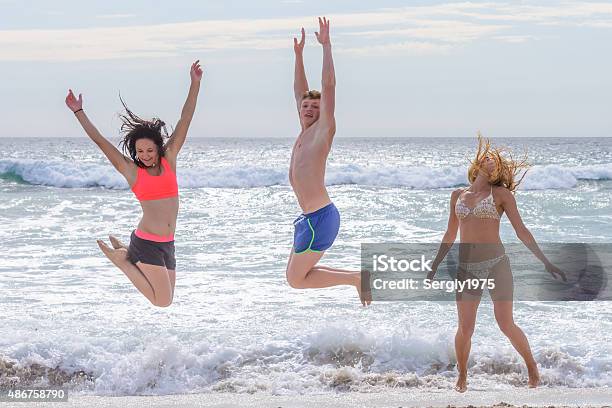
[(151, 252)]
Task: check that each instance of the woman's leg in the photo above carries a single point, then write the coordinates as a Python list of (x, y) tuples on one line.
[(119, 258), (116, 243), (505, 320), (172, 277), (502, 297), (159, 278), (140, 275), (466, 312)]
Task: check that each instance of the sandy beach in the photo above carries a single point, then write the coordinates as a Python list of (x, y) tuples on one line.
[(524, 398)]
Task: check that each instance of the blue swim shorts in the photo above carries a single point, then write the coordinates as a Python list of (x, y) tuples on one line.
[(316, 231)]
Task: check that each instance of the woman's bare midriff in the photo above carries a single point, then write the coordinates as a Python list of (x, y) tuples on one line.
[(159, 216), (485, 234)]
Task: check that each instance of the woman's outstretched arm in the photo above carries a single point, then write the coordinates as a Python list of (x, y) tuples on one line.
[(124, 165), (180, 133), (449, 236), (508, 202)]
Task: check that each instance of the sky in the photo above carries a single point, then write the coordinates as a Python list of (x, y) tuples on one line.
[(403, 68)]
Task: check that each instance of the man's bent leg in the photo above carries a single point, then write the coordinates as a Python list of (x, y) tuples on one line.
[(302, 273)]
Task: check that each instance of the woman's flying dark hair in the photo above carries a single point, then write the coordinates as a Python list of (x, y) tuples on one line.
[(134, 128)]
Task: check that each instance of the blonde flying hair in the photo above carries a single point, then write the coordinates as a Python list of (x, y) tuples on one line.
[(507, 169)]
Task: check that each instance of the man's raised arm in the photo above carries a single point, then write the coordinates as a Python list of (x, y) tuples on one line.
[(328, 80), (300, 83)]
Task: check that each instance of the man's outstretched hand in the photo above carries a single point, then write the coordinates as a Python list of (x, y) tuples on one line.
[(298, 47), (323, 33)]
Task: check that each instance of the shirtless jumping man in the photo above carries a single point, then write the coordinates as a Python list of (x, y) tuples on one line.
[(317, 227)]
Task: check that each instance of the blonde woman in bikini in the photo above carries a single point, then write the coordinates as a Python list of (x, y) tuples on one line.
[(476, 211)]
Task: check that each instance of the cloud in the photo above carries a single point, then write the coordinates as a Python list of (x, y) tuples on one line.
[(115, 16), (446, 31), (515, 38), (405, 48), (414, 29)]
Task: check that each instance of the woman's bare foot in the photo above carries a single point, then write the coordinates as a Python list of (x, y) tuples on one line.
[(534, 375), (117, 256), (363, 288), (116, 243), (461, 385)]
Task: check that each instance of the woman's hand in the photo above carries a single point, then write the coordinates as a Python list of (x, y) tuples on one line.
[(432, 273), (196, 72), (73, 103), (553, 270)]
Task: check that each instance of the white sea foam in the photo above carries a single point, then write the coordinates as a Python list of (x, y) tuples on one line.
[(359, 360), (80, 175)]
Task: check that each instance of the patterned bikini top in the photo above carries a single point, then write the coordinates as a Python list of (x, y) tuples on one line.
[(485, 208)]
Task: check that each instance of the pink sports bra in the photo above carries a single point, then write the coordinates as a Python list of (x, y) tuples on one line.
[(149, 187)]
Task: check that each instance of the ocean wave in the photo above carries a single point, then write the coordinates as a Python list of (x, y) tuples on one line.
[(61, 174), (321, 361), (83, 175)]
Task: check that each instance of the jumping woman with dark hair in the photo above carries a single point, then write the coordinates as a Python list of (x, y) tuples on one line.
[(150, 171)]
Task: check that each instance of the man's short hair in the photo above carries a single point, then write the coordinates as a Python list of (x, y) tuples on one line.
[(314, 94)]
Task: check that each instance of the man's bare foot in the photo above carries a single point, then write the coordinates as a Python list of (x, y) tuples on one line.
[(363, 288), (116, 243), (116, 256), (534, 375), (461, 385)]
